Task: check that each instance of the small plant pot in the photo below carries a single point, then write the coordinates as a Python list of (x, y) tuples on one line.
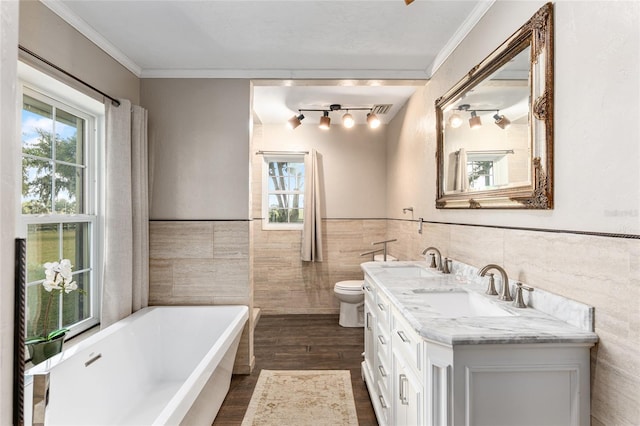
[(42, 351)]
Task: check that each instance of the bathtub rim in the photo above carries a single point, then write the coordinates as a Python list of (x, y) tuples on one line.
[(113, 328), (179, 405), (187, 394)]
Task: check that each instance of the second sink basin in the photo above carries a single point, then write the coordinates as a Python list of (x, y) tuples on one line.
[(410, 271), (454, 304)]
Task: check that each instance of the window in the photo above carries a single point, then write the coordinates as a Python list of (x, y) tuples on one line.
[(480, 174), (59, 207), (283, 192)]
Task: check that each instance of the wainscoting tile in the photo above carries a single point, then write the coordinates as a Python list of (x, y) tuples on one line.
[(230, 240), (180, 240), (477, 246)]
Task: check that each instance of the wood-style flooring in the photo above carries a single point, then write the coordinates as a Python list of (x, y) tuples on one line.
[(300, 342)]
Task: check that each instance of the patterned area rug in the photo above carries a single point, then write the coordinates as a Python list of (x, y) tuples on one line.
[(302, 397)]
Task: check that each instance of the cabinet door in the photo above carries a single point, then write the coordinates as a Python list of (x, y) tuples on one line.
[(369, 337), (408, 394)]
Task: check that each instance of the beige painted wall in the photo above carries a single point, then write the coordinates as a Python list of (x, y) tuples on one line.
[(46, 34), (596, 71), (596, 83), (353, 165), (199, 136)]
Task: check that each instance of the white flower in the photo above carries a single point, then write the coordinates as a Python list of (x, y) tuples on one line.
[(65, 269), (50, 285), (58, 276), (69, 287)]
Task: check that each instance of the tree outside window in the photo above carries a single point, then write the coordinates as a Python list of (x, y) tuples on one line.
[(284, 195)]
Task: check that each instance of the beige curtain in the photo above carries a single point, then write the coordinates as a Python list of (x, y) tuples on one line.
[(461, 182), (125, 276), (312, 229)]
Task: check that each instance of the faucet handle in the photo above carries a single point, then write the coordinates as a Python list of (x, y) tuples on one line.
[(446, 269), (519, 302), (433, 261), (491, 289)]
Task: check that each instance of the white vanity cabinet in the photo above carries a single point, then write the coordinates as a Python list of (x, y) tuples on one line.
[(415, 380)]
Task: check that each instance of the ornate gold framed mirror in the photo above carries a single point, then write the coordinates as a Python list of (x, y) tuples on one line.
[(495, 126)]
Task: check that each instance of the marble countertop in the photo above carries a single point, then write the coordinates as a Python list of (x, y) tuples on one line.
[(409, 294)]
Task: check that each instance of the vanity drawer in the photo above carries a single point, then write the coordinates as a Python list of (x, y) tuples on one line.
[(369, 291), (383, 341), (384, 406), (407, 342), (383, 308), (383, 373)]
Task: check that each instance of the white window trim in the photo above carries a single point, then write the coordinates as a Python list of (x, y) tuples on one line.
[(266, 225), (37, 84)]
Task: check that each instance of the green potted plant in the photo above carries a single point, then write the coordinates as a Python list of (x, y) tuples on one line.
[(58, 281)]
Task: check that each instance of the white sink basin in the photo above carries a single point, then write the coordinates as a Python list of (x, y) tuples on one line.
[(455, 304), (410, 271)]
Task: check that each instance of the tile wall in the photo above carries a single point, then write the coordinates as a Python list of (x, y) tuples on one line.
[(283, 284), (603, 272), (203, 263)]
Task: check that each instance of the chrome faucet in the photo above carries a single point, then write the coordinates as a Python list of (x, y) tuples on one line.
[(504, 291), (424, 252)]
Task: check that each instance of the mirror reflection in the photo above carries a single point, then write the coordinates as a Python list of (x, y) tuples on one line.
[(495, 126), (487, 142)]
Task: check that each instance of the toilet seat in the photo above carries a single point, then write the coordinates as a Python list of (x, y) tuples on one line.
[(350, 286)]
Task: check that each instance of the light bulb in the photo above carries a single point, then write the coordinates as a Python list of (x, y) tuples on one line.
[(373, 120), (455, 120), (347, 120)]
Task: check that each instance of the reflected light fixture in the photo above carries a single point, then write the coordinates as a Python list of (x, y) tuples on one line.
[(455, 120), (325, 121), (295, 121), (474, 121), (501, 121), (373, 121), (347, 120)]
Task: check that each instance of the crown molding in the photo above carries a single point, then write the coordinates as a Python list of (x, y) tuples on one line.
[(461, 33), (86, 30), (288, 74)]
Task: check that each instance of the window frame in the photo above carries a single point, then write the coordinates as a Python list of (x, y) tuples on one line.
[(39, 86), (281, 226)]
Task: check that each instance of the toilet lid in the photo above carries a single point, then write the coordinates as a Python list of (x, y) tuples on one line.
[(354, 285)]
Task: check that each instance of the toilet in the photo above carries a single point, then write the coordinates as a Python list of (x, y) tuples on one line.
[(351, 296)]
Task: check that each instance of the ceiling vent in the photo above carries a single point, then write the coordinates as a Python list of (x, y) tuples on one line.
[(381, 108)]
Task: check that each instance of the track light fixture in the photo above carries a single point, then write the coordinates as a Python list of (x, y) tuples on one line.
[(475, 122), (501, 121), (455, 120), (347, 119), (295, 121), (325, 121)]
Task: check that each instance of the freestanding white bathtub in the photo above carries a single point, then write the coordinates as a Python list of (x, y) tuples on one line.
[(161, 365)]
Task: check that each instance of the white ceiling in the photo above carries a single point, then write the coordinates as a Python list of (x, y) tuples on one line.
[(376, 42)]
